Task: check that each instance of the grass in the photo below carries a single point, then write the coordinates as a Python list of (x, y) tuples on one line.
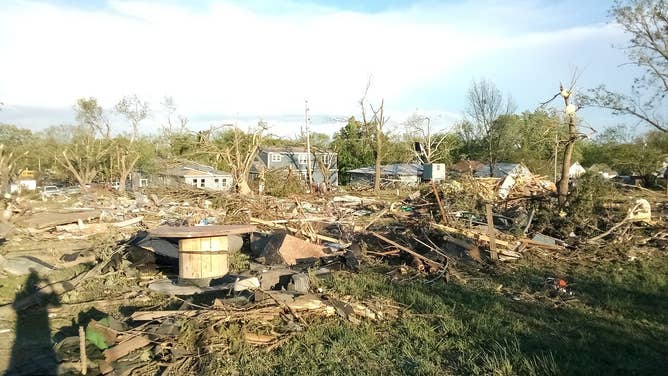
[(491, 321), (500, 322)]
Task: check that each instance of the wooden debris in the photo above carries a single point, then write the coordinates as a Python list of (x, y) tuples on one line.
[(287, 249), (125, 347), (493, 255), (48, 220), (82, 350), (407, 250)]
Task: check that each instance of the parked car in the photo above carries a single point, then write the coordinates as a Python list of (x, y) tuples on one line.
[(51, 190)]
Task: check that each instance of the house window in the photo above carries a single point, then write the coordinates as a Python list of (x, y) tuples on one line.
[(201, 182), (326, 159), (302, 159), (194, 183), (224, 182), (276, 157), (216, 180)]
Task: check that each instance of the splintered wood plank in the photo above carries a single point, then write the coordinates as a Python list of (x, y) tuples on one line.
[(46, 220), (126, 347)]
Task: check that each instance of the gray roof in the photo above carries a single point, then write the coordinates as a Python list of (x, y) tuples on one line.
[(192, 168), (396, 169), (501, 170), (293, 149)]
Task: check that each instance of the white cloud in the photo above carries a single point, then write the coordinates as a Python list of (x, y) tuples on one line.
[(229, 59)]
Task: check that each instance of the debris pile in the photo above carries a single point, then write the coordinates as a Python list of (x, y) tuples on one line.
[(175, 340), (186, 272)]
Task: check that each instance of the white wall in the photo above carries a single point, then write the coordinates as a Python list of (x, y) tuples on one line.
[(23, 185), (213, 182)]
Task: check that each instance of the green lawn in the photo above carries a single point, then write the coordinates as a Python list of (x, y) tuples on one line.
[(499, 321)]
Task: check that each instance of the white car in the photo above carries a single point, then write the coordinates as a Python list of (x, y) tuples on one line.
[(51, 190)]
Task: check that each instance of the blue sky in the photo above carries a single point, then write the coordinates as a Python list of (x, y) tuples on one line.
[(240, 61)]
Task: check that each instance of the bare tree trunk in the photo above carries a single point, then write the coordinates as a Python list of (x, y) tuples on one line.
[(84, 160), (379, 154), (82, 176), (241, 161), (378, 121), (491, 157), (124, 171), (562, 187)]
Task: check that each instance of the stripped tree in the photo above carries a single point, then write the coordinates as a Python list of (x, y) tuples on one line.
[(373, 124), (237, 152), (82, 157), (570, 108), (91, 115), (135, 111), (485, 105)]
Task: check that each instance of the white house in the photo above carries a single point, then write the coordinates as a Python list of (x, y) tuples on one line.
[(196, 175)]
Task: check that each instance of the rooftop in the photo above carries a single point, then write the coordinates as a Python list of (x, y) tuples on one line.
[(192, 168), (501, 170), (396, 169), (292, 149)]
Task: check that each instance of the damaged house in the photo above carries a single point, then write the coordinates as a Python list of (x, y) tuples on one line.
[(196, 175), (403, 173), (508, 176), (323, 164)]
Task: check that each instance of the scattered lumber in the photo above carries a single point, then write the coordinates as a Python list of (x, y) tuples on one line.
[(48, 220), (125, 347), (407, 250)]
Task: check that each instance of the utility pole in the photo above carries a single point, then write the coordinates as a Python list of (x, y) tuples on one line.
[(428, 146), (307, 120)]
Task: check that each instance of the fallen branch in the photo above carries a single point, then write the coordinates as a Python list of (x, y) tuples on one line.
[(626, 219), (407, 250)]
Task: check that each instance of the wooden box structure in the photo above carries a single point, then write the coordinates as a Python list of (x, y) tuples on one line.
[(204, 250)]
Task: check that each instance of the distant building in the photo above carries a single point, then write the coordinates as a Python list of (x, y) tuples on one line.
[(196, 175), (403, 173), (26, 181), (467, 167), (508, 174), (501, 170), (324, 166)]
